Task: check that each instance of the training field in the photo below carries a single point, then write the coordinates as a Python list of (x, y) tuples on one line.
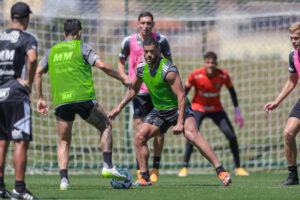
[(257, 186)]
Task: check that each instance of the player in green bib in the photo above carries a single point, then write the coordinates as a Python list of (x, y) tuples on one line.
[(70, 67), (170, 109)]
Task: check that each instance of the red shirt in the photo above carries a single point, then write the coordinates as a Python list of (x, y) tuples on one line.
[(207, 90)]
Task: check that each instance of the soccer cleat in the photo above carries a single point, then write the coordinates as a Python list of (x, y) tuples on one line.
[(24, 195), (138, 174), (4, 194), (290, 181), (225, 178), (112, 173), (64, 184), (241, 172), (183, 172), (142, 182), (154, 175)]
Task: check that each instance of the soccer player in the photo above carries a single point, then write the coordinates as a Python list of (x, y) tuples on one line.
[(132, 47), (170, 109), (18, 60), (208, 82), (69, 64), (293, 123)]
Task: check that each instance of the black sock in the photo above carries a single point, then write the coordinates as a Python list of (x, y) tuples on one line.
[(156, 162), (220, 169), (293, 172), (145, 175), (107, 159), (2, 185), (63, 173), (137, 165), (188, 152), (20, 186)]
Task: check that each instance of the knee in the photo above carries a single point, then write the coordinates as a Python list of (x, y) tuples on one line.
[(139, 139), (289, 134)]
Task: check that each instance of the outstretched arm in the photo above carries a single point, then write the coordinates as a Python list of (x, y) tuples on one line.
[(129, 95), (288, 87), (41, 104), (121, 68), (111, 72), (175, 83)]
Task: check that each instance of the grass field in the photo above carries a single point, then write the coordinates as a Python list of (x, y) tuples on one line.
[(257, 186)]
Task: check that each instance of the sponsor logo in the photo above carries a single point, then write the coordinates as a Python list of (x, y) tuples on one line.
[(7, 54), (16, 134), (4, 93), (13, 36), (59, 57), (7, 72), (67, 95)]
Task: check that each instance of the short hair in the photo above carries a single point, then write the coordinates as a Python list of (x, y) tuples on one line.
[(295, 28), (151, 41), (72, 26), (211, 55), (145, 14)]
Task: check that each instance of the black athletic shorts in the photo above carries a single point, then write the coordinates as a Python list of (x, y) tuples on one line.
[(68, 111), (142, 105), (296, 110), (15, 121), (164, 119)]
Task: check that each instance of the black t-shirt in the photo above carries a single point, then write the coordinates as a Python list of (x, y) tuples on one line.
[(14, 44)]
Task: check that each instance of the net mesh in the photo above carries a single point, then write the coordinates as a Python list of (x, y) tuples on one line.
[(251, 40)]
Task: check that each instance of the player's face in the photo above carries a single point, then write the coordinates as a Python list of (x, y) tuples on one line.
[(295, 39), (210, 66), (145, 25), (151, 53)]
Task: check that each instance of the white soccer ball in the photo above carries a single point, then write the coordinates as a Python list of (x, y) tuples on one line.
[(125, 184)]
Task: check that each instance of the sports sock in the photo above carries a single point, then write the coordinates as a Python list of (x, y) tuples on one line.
[(293, 172), (188, 153), (63, 173), (2, 185), (156, 162), (107, 159), (145, 175), (20, 186), (137, 165), (220, 169)]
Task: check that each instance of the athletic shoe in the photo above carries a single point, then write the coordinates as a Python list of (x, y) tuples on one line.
[(138, 174), (183, 172), (241, 172), (290, 181), (142, 182), (225, 178), (112, 173), (4, 194), (64, 184), (24, 195), (154, 175)]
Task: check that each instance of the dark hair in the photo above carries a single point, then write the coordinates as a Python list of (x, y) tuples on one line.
[(151, 41), (145, 14), (72, 26), (212, 55)]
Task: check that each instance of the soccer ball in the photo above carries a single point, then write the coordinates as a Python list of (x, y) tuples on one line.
[(125, 184)]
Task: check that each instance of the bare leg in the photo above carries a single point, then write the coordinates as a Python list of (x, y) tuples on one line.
[(64, 129), (3, 150), (20, 159), (291, 130), (194, 136)]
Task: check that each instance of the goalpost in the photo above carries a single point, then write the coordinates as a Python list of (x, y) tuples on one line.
[(252, 43)]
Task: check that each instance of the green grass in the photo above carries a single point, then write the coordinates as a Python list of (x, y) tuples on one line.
[(170, 187)]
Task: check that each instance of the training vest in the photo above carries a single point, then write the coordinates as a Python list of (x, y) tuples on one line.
[(160, 91), (296, 62), (70, 77), (136, 57)]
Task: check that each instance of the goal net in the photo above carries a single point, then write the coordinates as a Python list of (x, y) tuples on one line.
[(252, 43)]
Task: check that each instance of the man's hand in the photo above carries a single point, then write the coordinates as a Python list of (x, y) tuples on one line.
[(25, 83), (42, 107), (238, 117), (127, 82), (113, 114), (269, 107), (177, 129)]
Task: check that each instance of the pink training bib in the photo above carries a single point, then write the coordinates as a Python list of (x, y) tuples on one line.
[(136, 57), (296, 62)]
